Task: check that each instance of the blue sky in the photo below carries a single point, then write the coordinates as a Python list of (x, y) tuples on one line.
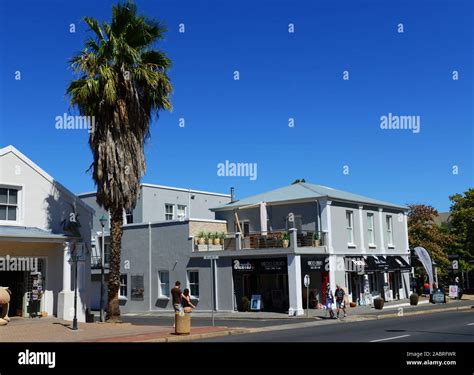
[(282, 75)]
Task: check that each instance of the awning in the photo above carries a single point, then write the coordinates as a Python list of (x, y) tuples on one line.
[(397, 263), (355, 264)]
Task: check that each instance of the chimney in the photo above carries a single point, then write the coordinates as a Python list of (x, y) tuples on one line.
[(232, 194)]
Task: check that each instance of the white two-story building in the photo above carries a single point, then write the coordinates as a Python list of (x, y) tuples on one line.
[(44, 228)]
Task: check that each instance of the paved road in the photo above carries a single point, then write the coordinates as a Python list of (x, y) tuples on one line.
[(440, 327), (205, 321)]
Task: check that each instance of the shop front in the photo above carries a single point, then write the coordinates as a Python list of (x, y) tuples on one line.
[(265, 279), (315, 267), (375, 276)]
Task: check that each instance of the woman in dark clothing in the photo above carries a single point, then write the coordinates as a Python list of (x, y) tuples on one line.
[(187, 304)]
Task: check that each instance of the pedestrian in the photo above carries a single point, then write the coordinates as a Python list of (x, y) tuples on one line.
[(329, 301), (339, 294), (426, 288), (187, 304), (177, 297)]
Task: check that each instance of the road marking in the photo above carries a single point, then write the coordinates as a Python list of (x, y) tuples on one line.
[(390, 338), (471, 324)]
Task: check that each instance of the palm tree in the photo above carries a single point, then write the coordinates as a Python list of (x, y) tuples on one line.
[(122, 82)]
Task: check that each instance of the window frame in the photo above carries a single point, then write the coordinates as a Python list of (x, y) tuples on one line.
[(371, 229), (172, 211), (120, 295), (19, 204), (160, 294), (189, 284), (185, 211), (350, 227), (389, 224)]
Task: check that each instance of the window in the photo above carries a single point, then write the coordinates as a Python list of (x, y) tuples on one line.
[(169, 212), (129, 216), (388, 219), (8, 204), (193, 282), (123, 291), (163, 284), (350, 228), (245, 225), (370, 229), (181, 212)]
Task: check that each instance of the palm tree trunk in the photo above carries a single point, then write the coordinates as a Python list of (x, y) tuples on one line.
[(113, 308)]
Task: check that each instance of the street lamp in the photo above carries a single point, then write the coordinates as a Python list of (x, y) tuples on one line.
[(103, 221)]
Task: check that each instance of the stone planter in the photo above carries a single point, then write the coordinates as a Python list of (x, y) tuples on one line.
[(414, 299), (286, 243), (378, 303), (217, 241), (202, 241)]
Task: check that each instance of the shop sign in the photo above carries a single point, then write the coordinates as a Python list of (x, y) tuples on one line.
[(313, 264), (453, 291), (273, 265), (260, 265), (256, 302), (438, 296), (242, 265)]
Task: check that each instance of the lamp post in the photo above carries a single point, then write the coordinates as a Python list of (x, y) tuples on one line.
[(103, 221), (75, 259)]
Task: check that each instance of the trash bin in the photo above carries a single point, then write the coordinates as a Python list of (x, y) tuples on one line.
[(183, 323)]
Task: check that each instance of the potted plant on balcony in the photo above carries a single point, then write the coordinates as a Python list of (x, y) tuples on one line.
[(316, 240), (222, 237), (217, 239), (285, 240), (202, 238), (210, 238)]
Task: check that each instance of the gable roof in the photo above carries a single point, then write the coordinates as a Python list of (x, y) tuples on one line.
[(305, 191), (11, 149)]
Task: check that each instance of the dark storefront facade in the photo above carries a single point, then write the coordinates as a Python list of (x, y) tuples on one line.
[(266, 277)]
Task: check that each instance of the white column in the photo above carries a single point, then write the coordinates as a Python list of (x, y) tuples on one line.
[(66, 296), (66, 267), (382, 245), (405, 223), (361, 225), (294, 285), (327, 216)]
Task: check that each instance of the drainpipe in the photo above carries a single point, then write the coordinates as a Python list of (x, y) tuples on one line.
[(149, 263), (189, 204)]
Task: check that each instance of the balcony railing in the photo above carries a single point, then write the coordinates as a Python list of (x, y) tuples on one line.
[(270, 240)]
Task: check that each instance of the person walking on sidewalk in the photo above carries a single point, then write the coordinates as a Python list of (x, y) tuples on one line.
[(329, 301), (177, 297), (339, 294)]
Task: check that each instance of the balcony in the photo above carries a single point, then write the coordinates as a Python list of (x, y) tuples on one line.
[(96, 264), (270, 240)]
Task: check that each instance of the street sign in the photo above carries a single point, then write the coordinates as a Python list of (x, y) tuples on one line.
[(438, 296), (211, 257), (455, 265), (306, 280)]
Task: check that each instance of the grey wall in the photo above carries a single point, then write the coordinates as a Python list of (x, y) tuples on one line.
[(339, 229), (170, 250), (154, 200)]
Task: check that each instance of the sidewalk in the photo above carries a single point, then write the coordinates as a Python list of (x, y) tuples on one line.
[(56, 330), (389, 309)]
